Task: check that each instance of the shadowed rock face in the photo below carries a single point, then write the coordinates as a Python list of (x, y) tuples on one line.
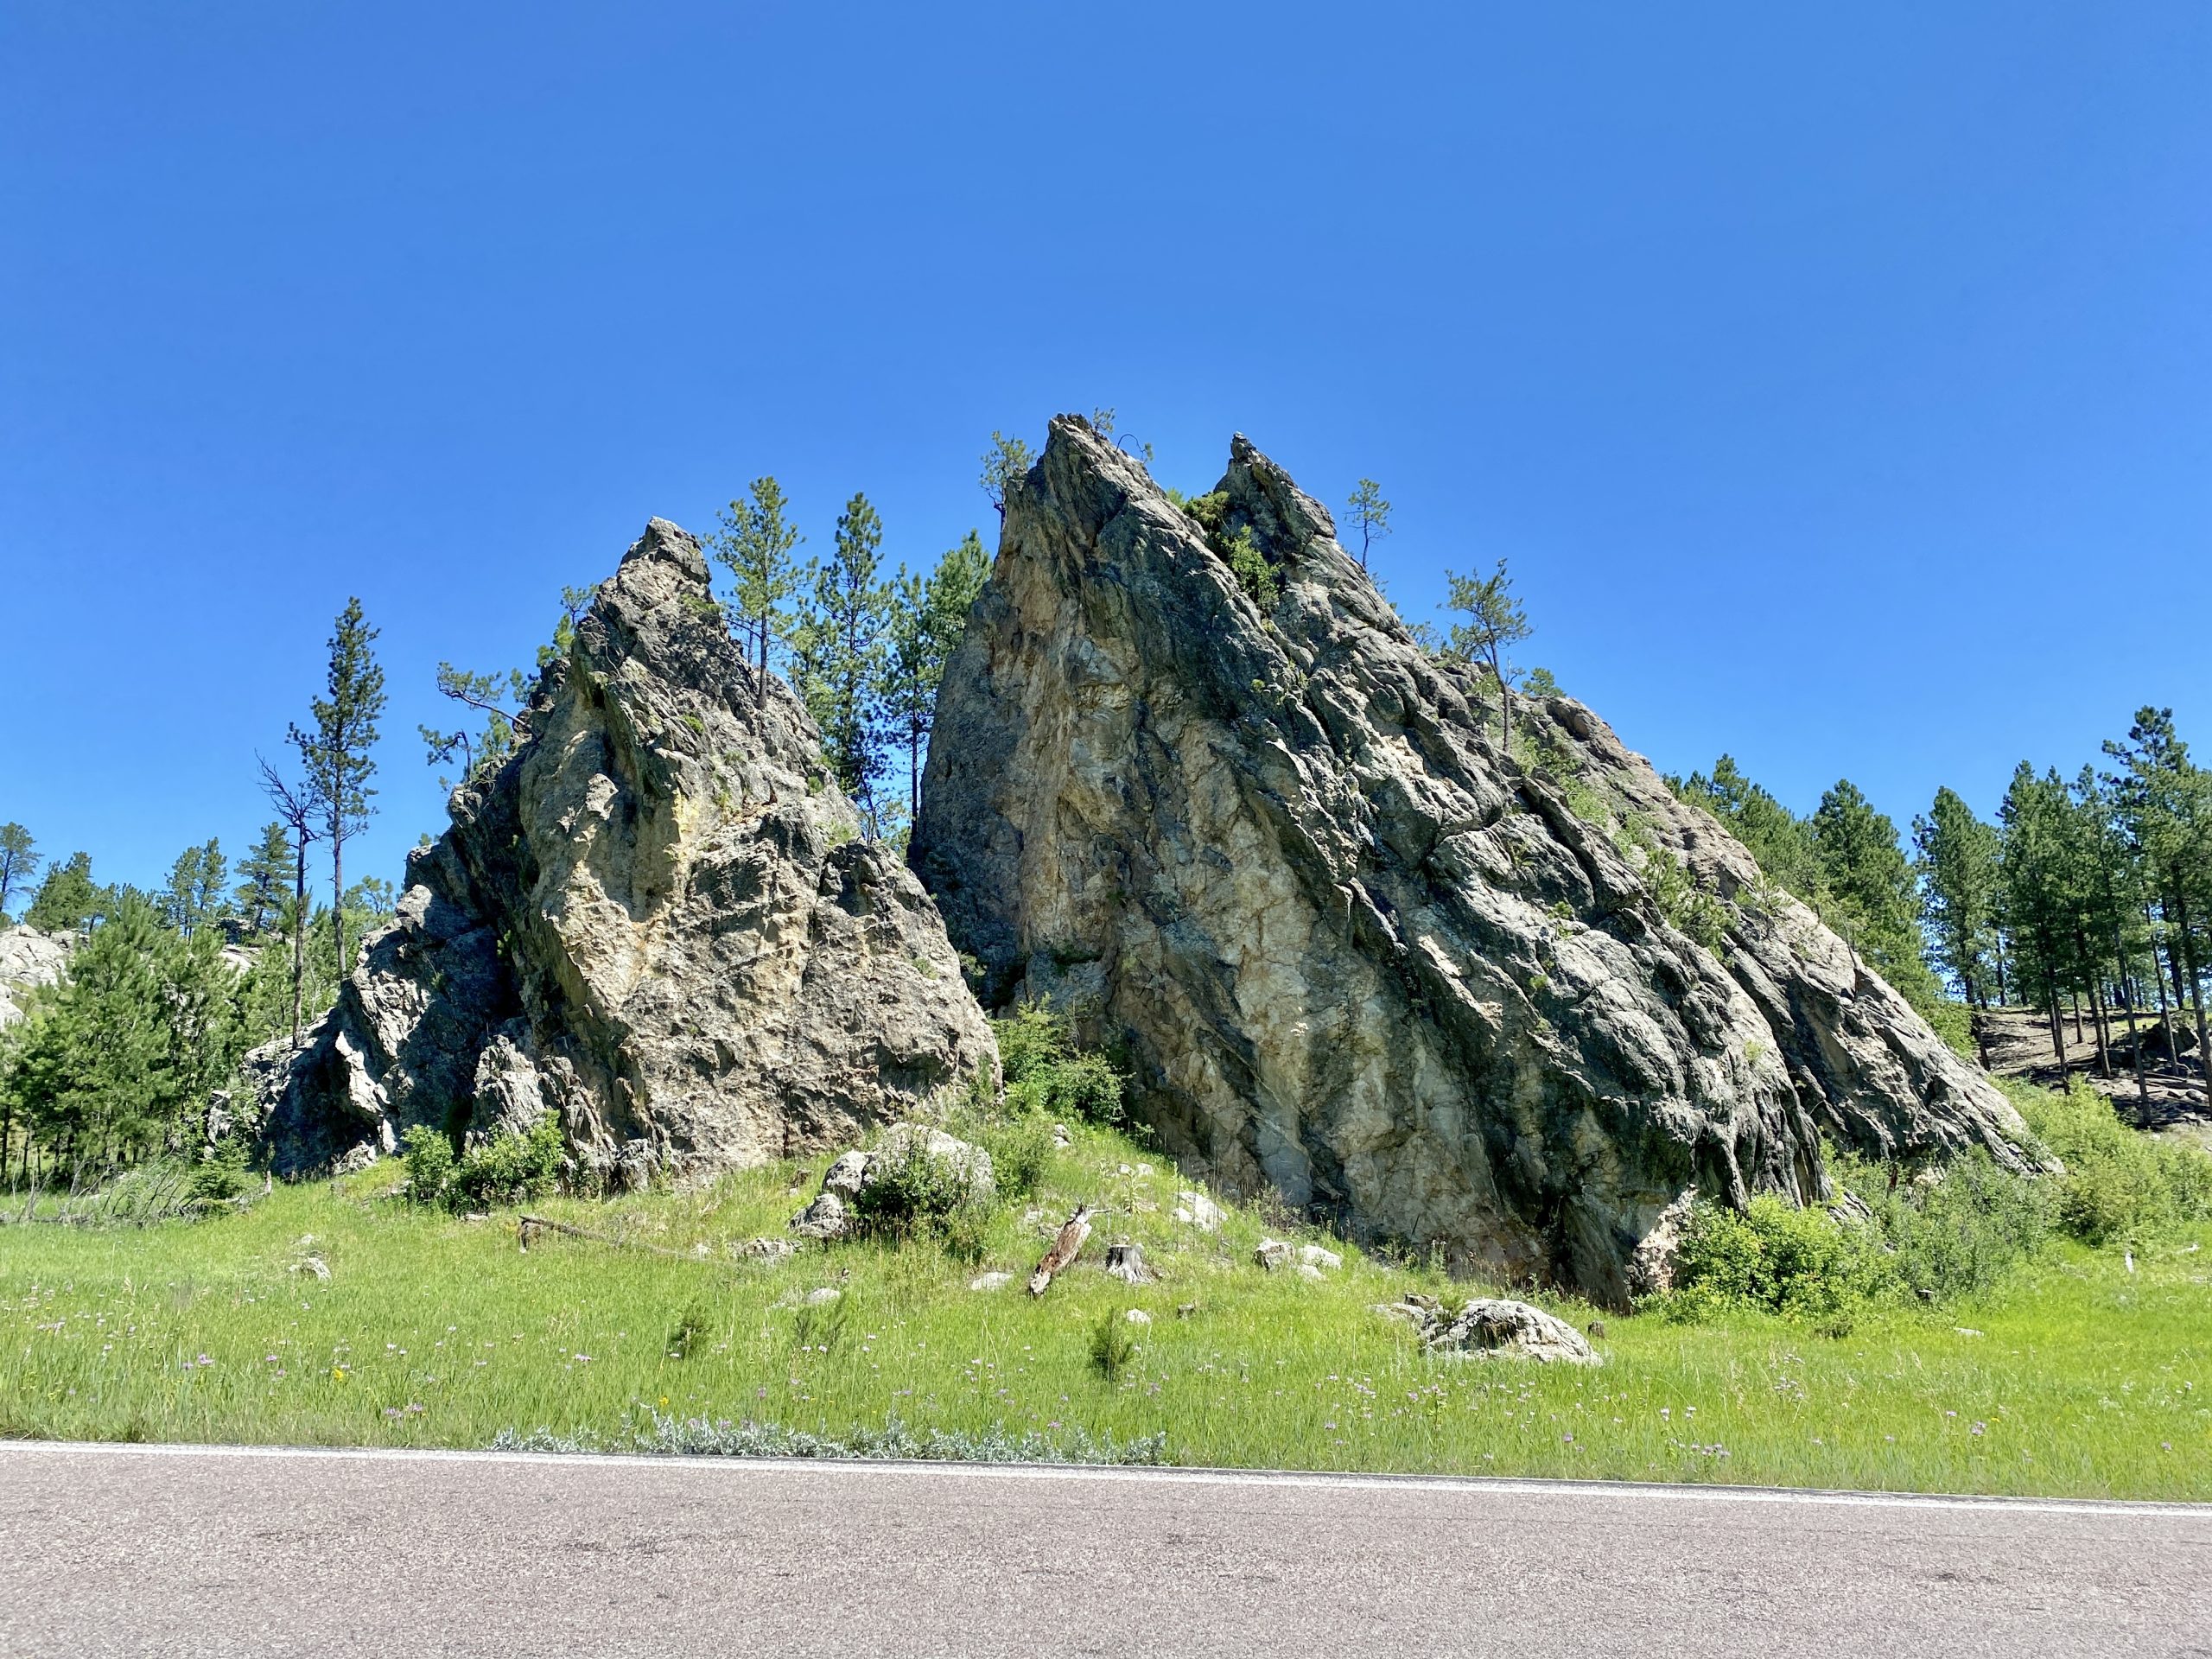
[(657, 919), (1277, 862)]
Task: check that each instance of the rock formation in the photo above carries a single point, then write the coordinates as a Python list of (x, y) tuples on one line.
[(29, 960), (1270, 853), (657, 918)]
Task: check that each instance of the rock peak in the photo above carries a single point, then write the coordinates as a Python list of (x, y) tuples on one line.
[(1514, 1006), (657, 919)]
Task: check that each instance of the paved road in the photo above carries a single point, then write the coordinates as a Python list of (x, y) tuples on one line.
[(190, 1551)]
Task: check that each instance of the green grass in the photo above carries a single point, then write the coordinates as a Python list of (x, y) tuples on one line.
[(2076, 1377)]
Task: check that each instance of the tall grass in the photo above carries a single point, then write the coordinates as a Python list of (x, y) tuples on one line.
[(2071, 1376)]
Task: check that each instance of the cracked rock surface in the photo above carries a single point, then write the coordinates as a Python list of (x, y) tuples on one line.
[(657, 918), (1274, 856)]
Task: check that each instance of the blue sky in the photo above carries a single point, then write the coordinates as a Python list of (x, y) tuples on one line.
[(1834, 380)]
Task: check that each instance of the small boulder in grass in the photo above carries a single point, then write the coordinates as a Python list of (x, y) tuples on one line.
[(990, 1281), (1312, 1256), (1494, 1327), (1273, 1254), (1195, 1209)]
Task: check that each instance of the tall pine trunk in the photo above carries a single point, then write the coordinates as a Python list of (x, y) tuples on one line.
[(299, 934), (2196, 990), (338, 897)]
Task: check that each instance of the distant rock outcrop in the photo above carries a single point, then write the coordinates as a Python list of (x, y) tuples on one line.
[(658, 918), (29, 960), (1270, 852)]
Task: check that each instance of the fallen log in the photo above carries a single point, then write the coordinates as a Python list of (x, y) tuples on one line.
[(1065, 1248)]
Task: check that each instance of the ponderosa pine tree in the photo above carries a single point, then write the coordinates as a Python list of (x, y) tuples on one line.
[(1005, 463), (1870, 889), (2165, 799), (1777, 838), (1957, 863), (840, 655), (300, 814), (1367, 512), (19, 862), (68, 898), (756, 545), (339, 754), (259, 897), (197, 892), (926, 620), (1495, 623)]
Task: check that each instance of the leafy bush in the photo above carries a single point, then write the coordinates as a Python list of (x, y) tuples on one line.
[(912, 1191), (1250, 568), (1021, 1152), (428, 1157), (1033, 1038), (1775, 1257), (1959, 1236), (966, 1233), (2120, 1186), (1045, 1075), (501, 1169)]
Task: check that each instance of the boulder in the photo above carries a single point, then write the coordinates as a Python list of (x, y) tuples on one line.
[(659, 918), (1507, 1003), (1490, 1326), (1195, 1209)]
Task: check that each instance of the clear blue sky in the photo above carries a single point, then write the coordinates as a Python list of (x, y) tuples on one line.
[(1835, 378)]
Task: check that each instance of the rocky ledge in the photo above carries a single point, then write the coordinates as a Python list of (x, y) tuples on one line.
[(1273, 855), (658, 918)]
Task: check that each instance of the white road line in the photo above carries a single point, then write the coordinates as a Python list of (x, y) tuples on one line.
[(1472, 1485)]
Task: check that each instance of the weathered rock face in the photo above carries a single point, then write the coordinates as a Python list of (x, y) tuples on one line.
[(1275, 859), (658, 918), (28, 959)]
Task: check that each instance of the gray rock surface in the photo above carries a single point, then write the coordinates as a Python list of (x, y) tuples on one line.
[(1489, 1326), (29, 960), (658, 918), (1276, 859)]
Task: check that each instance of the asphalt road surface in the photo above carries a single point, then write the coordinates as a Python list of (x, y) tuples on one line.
[(176, 1550)]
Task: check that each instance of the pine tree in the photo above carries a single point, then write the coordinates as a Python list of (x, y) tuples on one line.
[(67, 898), (1005, 463), (1777, 838), (1369, 514), (841, 656), (339, 754), (19, 862), (756, 545), (1494, 622), (301, 813), (494, 698), (2165, 799), (260, 894), (1957, 864), (926, 622), (1870, 889)]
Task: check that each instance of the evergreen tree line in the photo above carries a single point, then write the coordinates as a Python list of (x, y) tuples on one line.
[(2087, 900)]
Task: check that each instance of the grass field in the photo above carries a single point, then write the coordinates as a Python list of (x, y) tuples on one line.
[(2079, 1378)]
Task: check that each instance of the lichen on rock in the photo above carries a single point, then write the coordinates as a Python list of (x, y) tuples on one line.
[(1270, 853), (657, 918)]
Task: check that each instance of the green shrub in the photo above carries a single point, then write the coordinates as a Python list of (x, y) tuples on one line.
[(1033, 1038), (1085, 1087), (1021, 1152), (1958, 1236), (1045, 1075), (1775, 1257), (501, 1169), (428, 1157), (508, 1168), (966, 1233), (912, 1191), (2121, 1186), (1250, 568)]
